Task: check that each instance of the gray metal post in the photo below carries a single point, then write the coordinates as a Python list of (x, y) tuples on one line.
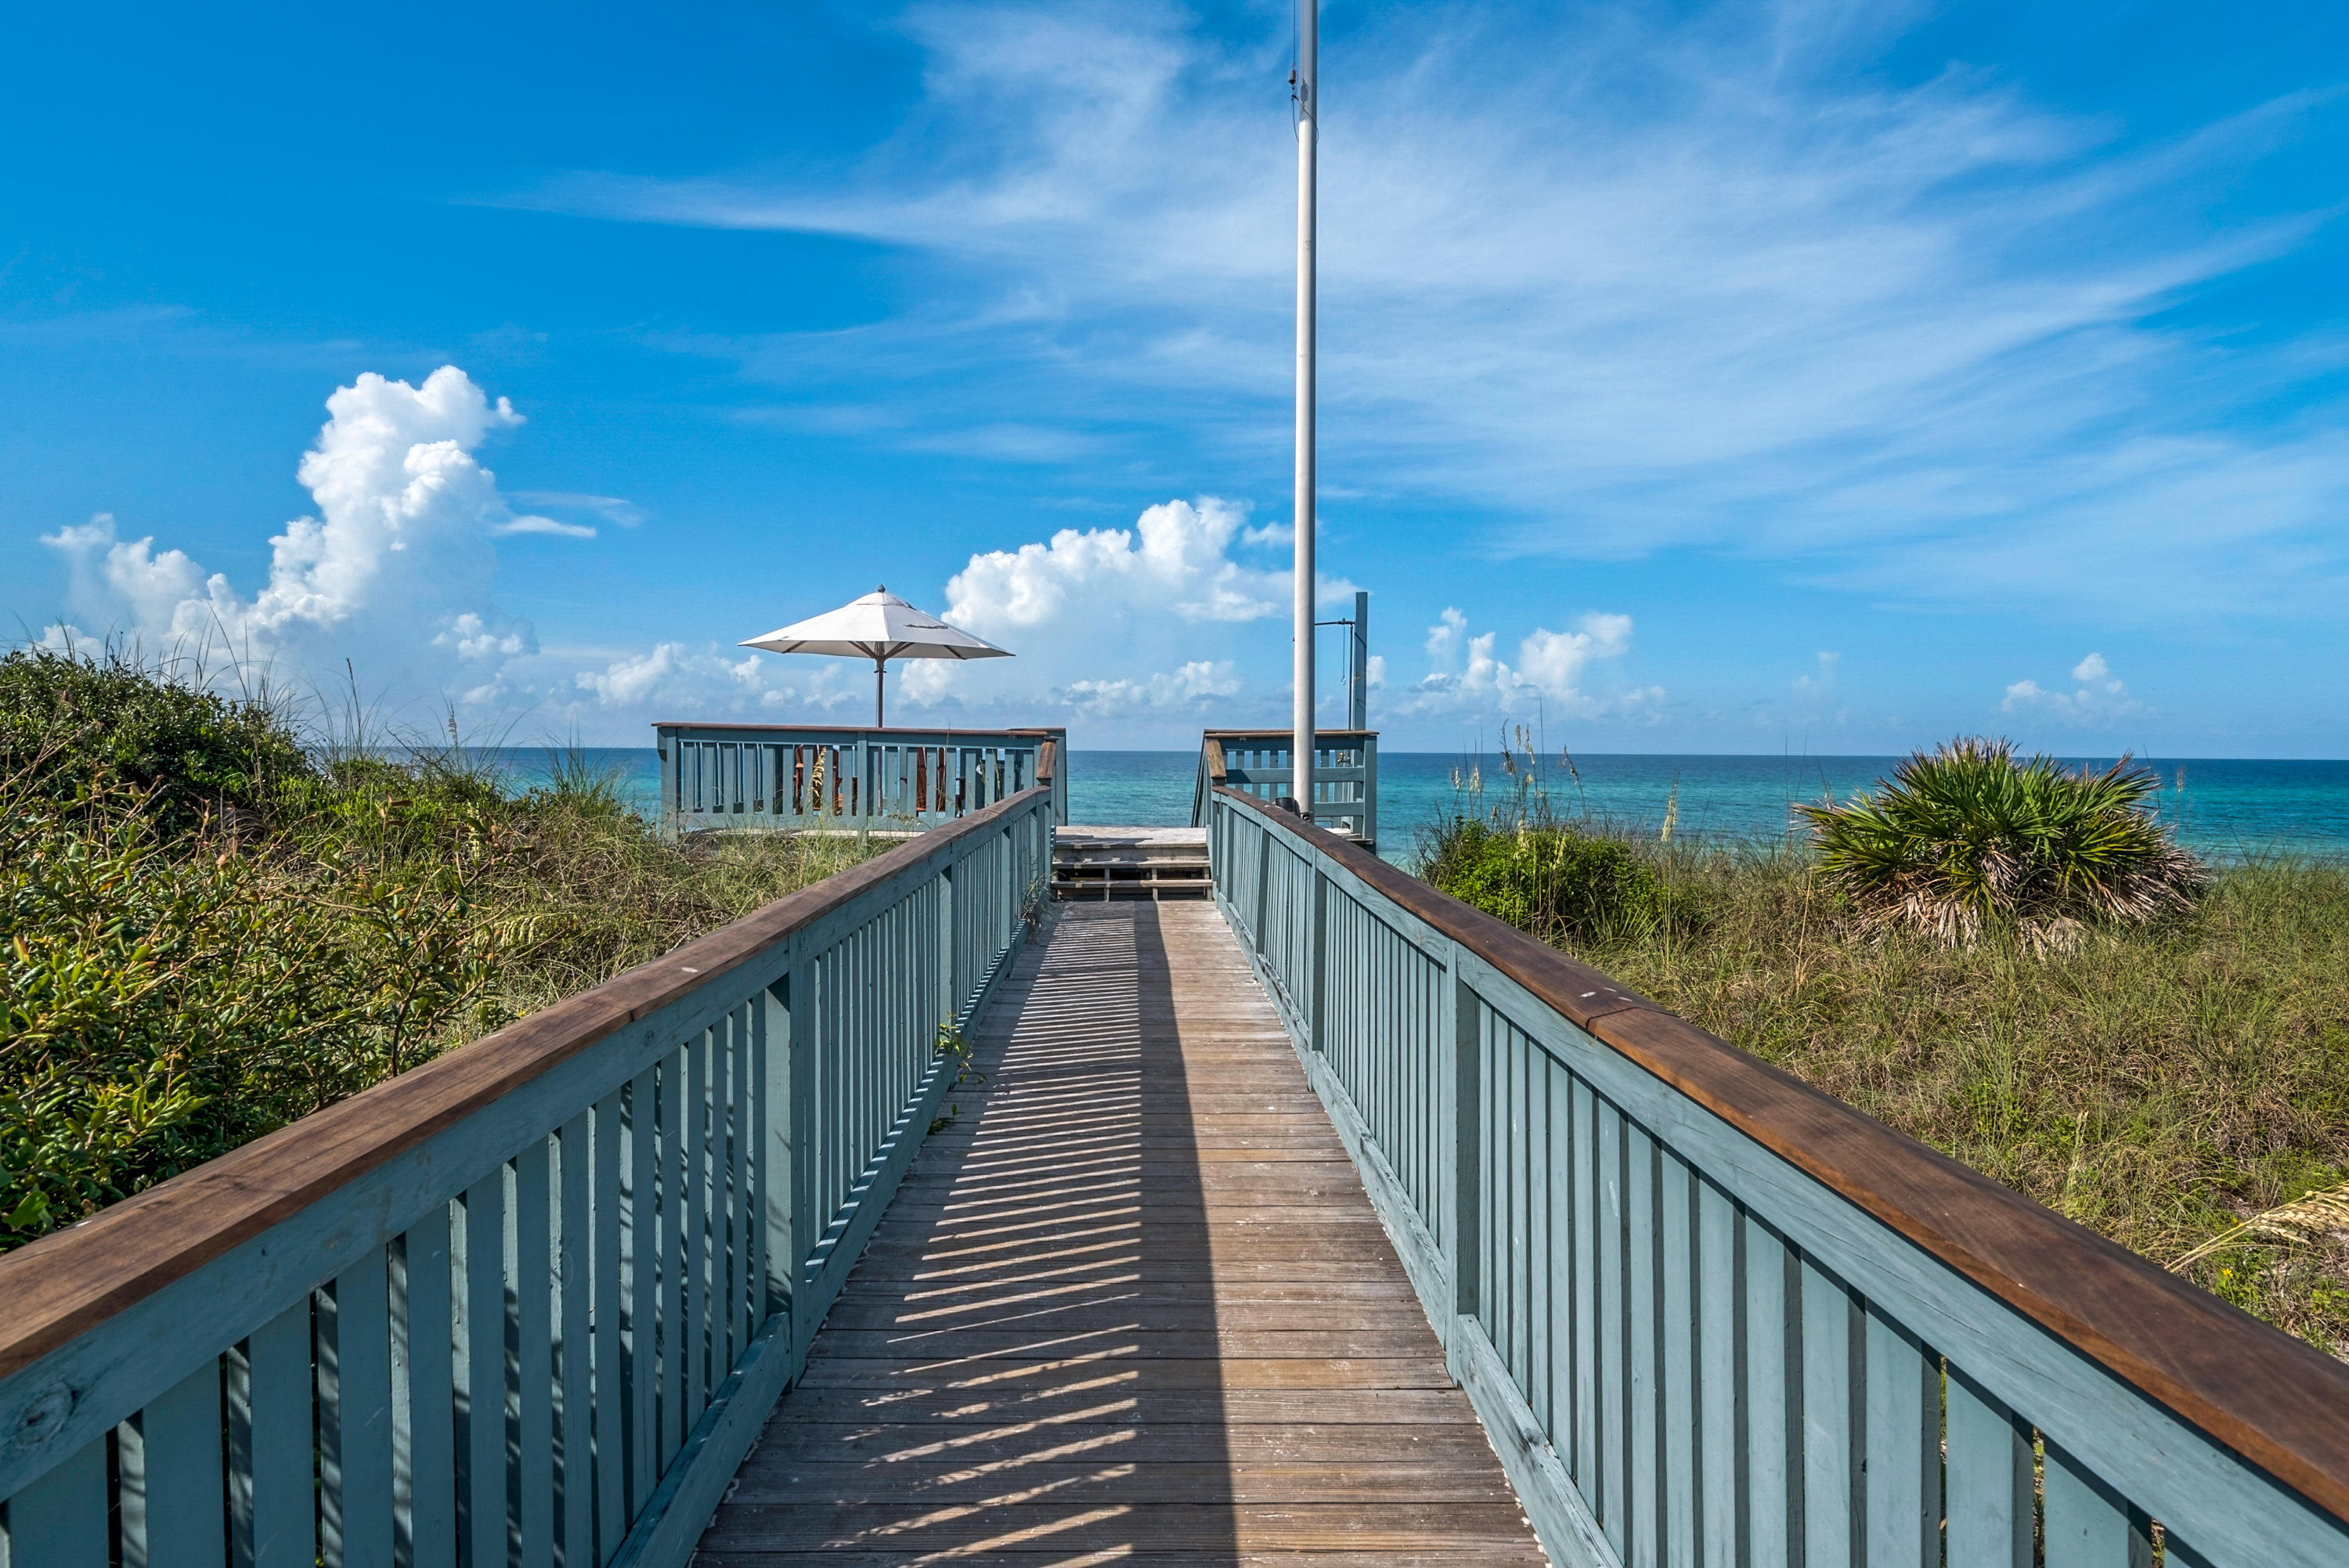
[(1358, 665), (1308, 115)]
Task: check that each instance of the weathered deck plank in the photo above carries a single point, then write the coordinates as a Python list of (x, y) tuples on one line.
[(1132, 1304)]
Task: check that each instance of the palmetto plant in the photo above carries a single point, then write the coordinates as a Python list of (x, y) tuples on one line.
[(1970, 837)]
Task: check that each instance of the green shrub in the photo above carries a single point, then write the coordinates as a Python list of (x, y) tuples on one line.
[(205, 934), (67, 719), (160, 1002), (1555, 882), (1969, 836)]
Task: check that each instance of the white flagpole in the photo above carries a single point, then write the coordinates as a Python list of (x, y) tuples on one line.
[(1309, 114)]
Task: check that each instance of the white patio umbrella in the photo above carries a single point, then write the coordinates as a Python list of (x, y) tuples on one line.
[(880, 626)]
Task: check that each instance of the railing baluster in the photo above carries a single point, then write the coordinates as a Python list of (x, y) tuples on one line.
[(1680, 1479), (185, 1524), (1614, 1323), (725, 1243), (1719, 1292), (281, 1495), (1774, 1399), (1833, 1394), (1990, 1480), (431, 1394), (610, 1379), (643, 1265), (800, 1058), (1904, 1453), (534, 1356), (2086, 1524), (483, 1482), (362, 1424), (693, 1325), (672, 1327), (1590, 1208), (574, 1288), (60, 1520), (1642, 1265), (1556, 1408)]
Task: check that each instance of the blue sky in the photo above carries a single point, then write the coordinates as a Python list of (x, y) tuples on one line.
[(1836, 377)]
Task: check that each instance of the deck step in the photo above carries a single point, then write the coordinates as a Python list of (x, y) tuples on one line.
[(1118, 863)]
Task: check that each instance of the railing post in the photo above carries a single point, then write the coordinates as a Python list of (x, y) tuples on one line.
[(1263, 884), (796, 1105), (949, 999), (771, 1022), (668, 756), (1011, 892), (1316, 947), (1463, 1044)]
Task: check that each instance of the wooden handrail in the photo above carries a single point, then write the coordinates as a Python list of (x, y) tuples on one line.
[(1282, 735), (2276, 1401), (849, 730), (66, 1284), (1211, 757)]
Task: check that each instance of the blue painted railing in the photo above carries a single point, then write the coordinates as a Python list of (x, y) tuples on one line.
[(1257, 762), (1711, 1317), (804, 776), (526, 1305)]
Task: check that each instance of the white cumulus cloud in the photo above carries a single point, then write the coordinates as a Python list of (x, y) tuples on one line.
[(1548, 675), (1125, 626), (392, 572), (1176, 559), (1444, 638), (2098, 696)]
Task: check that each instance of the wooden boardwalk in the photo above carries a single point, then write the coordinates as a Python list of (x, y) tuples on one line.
[(1132, 1306)]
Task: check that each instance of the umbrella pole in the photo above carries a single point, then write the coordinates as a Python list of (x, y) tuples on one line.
[(880, 674)]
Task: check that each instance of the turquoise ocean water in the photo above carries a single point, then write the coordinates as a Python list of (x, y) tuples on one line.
[(2221, 808)]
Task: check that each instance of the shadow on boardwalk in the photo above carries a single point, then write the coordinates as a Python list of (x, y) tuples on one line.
[(1132, 1306)]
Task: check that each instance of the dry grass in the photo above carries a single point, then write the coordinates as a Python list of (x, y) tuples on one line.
[(603, 892), (2157, 1085)]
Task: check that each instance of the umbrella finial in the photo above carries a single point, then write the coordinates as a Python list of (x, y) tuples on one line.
[(880, 587)]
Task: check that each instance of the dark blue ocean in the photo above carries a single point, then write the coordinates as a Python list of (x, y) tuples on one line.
[(2226, 808)]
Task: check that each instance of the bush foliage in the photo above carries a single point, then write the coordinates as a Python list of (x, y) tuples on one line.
[(208, 930), (1559, 882), (193, 754)]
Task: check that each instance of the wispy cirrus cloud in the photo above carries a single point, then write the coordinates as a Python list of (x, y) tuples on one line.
[(1707, 280)]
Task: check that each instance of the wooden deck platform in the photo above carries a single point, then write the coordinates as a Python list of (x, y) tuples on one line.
[(1130, 1305)]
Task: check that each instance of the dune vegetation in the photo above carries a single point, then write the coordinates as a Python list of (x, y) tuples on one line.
[(215, 919), (2158, 1048)]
